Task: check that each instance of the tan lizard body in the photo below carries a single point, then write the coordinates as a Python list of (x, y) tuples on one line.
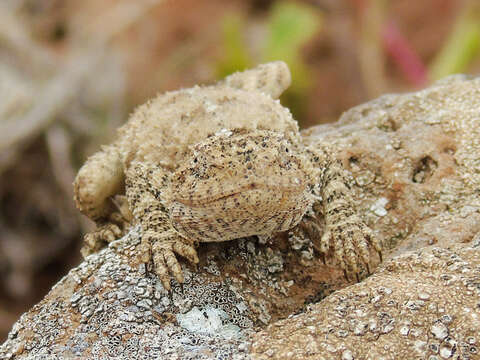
[(216, 163)]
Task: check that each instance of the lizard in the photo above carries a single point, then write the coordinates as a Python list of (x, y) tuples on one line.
[(216, 163)]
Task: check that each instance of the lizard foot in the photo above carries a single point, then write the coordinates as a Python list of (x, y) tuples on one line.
[(94, 241), (105, 233), (161, 248), (351, 241)]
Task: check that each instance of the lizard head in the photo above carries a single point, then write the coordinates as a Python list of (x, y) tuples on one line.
[(239, 183)]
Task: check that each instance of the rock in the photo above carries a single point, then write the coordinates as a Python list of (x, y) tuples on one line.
[(387, 317), (426, 172), (415, 158)]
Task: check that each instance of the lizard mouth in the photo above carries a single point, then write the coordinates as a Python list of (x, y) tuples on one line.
[(243, 211), (209, 198)]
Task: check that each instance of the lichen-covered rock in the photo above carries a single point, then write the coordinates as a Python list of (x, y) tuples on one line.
[(105, 308), (415, 162)]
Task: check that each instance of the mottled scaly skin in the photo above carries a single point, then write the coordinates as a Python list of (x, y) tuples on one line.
[(216, 163)]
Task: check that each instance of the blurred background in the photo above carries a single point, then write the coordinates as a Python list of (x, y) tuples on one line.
[(72, 71)]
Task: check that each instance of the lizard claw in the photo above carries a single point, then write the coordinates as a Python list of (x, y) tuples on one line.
[(95, 240), (110, 229), (351, 242), (162, 251)]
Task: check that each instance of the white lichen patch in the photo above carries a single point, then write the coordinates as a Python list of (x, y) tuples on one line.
[(379, 207), (439, 330), (210, 321)]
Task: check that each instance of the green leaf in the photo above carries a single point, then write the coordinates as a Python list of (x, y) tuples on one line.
[(235, 53), (290, 26), (462, 46)]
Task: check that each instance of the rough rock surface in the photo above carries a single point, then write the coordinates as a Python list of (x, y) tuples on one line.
[(422, 305), (415, 159)]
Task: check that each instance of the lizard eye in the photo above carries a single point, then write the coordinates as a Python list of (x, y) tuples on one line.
[(195, 160)]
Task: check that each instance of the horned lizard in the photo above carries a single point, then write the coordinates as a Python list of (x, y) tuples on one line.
[(216, 163)]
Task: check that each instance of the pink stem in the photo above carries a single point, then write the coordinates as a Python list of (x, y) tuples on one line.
[(403, 55)]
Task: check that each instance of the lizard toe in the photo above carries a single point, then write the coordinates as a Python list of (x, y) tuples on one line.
[(162, 247), (89, 244), (95, 240), (186, 250), (173, 266), (161, 270), (351, 243), (110, 232)]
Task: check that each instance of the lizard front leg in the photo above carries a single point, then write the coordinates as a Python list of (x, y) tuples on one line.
[(96, 187), (344, 232), (160, 241)]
